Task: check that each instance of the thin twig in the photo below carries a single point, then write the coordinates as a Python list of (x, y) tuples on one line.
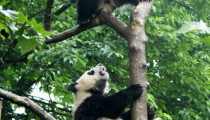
[(184, 5), (44, 9)]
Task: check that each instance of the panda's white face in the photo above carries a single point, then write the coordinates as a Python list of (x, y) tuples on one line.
[(91, 82), (95, 79)]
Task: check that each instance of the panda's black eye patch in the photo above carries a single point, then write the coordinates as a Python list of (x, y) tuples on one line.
[(91, 72)]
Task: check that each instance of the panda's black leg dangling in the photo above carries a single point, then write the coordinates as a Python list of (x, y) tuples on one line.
[(86, 9), (83, 20)]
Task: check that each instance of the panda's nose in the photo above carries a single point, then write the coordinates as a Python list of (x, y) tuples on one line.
[(99, 64)]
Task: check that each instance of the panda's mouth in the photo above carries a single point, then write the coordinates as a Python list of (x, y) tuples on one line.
[(102, 71)]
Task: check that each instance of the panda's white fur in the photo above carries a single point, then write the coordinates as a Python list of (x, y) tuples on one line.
[(91, 104), (86, 82)]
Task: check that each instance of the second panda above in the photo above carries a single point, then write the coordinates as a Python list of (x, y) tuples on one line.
[(87, 8), (90, 103)]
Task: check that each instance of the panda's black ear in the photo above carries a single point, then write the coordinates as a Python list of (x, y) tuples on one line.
[(72, 87), (91, 72)]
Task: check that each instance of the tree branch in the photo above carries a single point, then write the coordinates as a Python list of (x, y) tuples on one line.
[(68, 33), (44, 9), (46, 103), (62, 9), (36, 14), (26, 102), (58, 113), (51, 102), (103, 18), (21, 59), (47, 16), (8, 44), (184, 5), (116, 24)]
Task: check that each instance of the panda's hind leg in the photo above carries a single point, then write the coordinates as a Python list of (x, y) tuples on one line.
[(86, 9)]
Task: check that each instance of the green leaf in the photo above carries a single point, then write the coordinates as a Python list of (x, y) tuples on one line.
[(38, 27), (167, 116), (79, 40), (189, 26), (26, 44), (2, 3), (22, 18), (206, 40), (206, 85)]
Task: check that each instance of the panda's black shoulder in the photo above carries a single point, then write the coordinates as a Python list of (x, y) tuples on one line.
[(94, 99), (90, 106)]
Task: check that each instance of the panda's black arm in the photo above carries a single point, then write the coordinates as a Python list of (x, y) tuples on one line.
[(114, 105), (98, 106)]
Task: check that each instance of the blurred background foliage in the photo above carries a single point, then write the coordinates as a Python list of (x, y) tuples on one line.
[(177, 57)]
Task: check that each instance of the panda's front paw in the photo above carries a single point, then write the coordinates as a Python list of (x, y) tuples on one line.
[(135, 87), (135, 90)]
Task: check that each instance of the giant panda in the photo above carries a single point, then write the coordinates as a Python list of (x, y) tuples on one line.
[(86, 9), (90, 101)]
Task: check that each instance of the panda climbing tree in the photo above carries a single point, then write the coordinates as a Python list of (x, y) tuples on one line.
[(91, 103), (94, 13)]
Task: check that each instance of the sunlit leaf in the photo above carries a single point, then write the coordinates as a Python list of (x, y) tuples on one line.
[(38, 27), (25, 44), (189, 26), (9, 13)]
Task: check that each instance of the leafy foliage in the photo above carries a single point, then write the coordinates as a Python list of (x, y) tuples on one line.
[(178, 64)]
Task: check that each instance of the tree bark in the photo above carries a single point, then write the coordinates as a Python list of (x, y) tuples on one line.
[(137, 42), (47, 16), (1, 104), (26, 102)]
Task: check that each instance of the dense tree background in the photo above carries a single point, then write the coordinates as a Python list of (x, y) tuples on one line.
[(177, 59)]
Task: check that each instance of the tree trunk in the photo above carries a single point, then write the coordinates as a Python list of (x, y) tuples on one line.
[(137, 43), (1, 104)]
